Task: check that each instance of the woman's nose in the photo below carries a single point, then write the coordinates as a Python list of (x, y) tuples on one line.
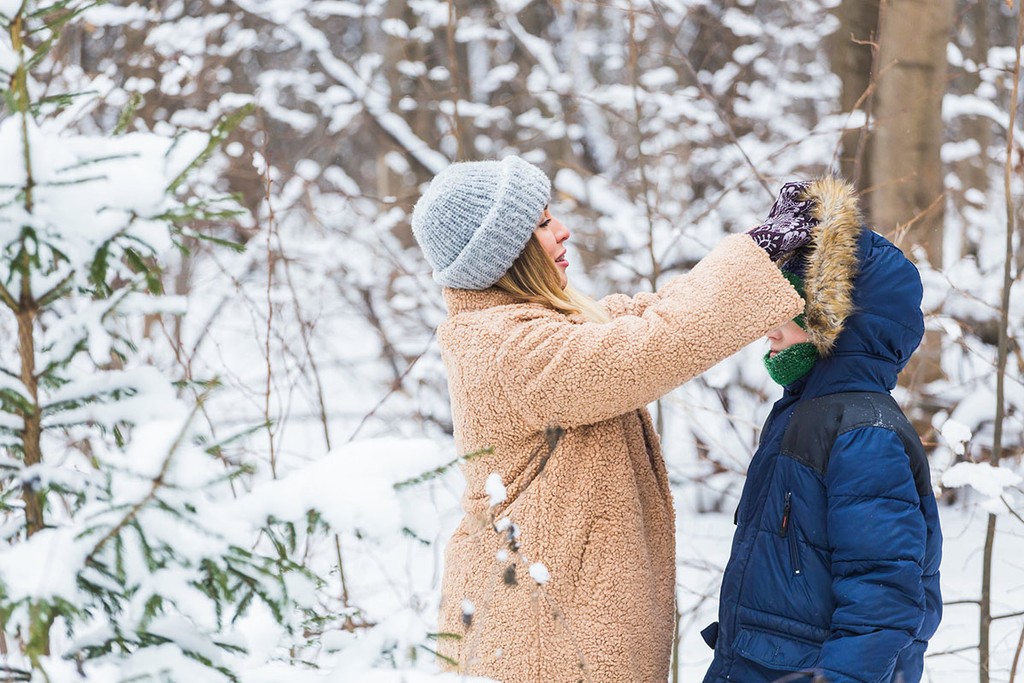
[(561, 232)]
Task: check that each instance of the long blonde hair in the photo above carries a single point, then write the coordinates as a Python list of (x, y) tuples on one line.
[(534, 277)]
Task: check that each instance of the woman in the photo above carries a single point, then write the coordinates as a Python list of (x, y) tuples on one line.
[(564, 570)]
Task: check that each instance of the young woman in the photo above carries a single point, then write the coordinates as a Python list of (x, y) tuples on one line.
[(564, 570)]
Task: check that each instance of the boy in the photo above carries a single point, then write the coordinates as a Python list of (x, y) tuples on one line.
[(834, 573)]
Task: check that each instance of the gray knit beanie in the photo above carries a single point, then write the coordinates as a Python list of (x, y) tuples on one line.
[(476, 217)]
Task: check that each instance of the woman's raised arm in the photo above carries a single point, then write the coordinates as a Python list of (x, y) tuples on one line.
[(557, 372)]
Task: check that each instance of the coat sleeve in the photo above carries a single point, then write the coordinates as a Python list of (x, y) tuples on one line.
[(556, 372), (877, 535), (619, 305)]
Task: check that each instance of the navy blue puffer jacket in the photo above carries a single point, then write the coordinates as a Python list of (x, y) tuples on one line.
[(835, 569)]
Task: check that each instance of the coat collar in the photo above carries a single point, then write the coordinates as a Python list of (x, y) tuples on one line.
[(470, 300)]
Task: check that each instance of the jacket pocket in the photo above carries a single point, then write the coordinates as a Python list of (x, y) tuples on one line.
[(710, 634), (787, 530), (777, 651)]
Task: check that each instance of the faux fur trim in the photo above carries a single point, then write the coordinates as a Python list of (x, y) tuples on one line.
[(831, 261)]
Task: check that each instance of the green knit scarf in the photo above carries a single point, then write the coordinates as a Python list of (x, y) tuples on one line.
[(792, 363)]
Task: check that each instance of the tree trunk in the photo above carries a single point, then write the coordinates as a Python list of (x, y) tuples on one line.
[(985, 620), (906, 168), (978, 127), (973, 171), (853, 57), (31, 436)]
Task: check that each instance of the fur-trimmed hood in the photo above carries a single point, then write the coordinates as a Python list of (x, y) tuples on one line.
[(863, 297), (829, 265)]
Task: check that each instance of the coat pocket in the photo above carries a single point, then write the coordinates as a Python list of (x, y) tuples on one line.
[(787, 530), (777, 651)]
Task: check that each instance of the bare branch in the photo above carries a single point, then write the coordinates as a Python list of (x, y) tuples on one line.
[(674, 40)]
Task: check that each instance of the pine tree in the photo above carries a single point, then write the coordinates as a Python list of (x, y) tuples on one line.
[(121, 560)]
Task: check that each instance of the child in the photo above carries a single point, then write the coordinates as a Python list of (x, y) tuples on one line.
[(834, 573)]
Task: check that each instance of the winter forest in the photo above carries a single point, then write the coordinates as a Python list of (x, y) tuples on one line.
[(225, 428)]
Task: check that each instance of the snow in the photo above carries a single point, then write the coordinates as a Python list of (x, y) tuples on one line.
[(336, 8), (512, 6), (954, 106), (539, 573), (958, 151), (9, 8), (113, 15), (742, 24), (148, 398), (353, 487), (44, 566), (395, 27), (68, 170), (956, 434), (659, 78), (495, 489), (982, 477), (154, 661)]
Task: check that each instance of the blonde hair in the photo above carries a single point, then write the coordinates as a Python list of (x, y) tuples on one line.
[(534, 277)]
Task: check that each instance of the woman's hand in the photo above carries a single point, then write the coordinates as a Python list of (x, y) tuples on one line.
[(789, 223)]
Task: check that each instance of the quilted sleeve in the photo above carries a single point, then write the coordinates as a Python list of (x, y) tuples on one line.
[(877, 534)]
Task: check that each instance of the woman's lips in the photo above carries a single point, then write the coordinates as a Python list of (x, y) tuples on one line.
[(561, 261)]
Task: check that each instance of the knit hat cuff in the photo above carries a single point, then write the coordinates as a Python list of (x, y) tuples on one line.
[(523, 192), (798, 284)]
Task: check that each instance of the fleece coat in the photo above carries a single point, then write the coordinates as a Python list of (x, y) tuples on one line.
[(557, 404)]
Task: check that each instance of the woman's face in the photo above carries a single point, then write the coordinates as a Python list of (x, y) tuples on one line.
[(551, 234), (784, 336)]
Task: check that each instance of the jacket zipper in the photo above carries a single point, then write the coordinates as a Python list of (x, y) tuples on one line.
[(794, 555)]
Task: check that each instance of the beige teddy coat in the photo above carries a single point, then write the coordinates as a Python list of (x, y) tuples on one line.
[(595, 510)]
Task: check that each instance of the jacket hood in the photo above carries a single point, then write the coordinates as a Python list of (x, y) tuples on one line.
[(829, 264), (863, 310)]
